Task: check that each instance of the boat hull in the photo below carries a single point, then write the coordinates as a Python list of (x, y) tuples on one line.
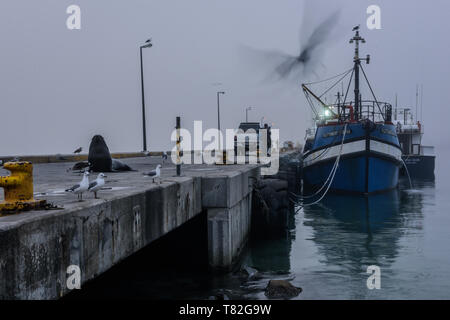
[(419, 166), (362, 174), (369, 160)]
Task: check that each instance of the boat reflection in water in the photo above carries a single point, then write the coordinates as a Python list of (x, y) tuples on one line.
[(352, 230), (351, 233)]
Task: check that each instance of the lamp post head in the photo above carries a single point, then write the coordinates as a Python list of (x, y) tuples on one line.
[(221, 92), (148, 44)]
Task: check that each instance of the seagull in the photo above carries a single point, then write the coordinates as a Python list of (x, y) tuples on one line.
[(97, 184), (156, 173), (164, 156), (78, 150), (81, 187)]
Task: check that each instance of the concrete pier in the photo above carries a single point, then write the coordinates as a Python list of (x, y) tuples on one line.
[(37, 247)]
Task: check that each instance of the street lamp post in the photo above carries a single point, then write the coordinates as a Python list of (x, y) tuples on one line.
[(147, 44), (218, 112)]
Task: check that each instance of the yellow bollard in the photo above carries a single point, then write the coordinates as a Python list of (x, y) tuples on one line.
[(18, 188)]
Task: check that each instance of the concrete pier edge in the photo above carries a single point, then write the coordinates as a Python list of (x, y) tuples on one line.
[(37, 247)]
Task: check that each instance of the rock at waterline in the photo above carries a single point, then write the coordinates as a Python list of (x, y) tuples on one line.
[(281, 289), (248, 273), (219, 297)]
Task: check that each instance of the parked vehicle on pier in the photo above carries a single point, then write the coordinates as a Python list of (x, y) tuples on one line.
[(247, 138)]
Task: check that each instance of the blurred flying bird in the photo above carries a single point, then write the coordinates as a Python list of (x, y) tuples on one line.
[(285, 65), (78, 150), (318, 37)]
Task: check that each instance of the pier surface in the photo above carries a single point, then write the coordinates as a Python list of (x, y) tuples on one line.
[(37, 247)]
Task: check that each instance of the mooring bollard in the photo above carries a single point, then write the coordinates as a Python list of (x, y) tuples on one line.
[(18, 188), (178, 127)]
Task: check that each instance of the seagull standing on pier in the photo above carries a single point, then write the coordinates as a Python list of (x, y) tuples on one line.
[(97, 184), (156, 173), (81, 187)]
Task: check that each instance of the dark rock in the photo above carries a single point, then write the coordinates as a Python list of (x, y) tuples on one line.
[(274, 184), (219, 296), (249, 273), (270, 206), (281, 289)]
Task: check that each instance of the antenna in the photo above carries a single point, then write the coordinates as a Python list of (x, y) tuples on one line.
[(421, 102), (417, 100), (357, 61), (395, 113)]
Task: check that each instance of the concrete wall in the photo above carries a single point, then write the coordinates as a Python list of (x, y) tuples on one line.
[(36, 248), (228, 230), (35, 253), (228, 201)]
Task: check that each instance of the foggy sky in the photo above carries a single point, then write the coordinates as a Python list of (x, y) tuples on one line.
[(59, 87)]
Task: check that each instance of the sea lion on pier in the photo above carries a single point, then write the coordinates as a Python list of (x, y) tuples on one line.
[(100, 158), (118, 165)]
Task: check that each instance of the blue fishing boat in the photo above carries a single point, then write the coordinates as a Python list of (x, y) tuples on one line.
[(355, 148)]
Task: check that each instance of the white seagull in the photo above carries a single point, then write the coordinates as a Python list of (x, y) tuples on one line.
[(156, 173), (81, 187), (97, 184)]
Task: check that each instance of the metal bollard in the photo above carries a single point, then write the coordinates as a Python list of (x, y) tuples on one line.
[(18, 188)]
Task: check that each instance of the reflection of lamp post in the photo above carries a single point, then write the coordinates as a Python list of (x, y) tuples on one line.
[(218, 112), (246, 113), (147, 44)]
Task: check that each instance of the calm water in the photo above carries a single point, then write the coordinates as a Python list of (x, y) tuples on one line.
[(326, 251), (405, 233)]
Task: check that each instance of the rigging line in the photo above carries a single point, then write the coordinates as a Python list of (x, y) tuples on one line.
[(348, 87), (320, 81), (336, 83), (373, 94), (311, 104)]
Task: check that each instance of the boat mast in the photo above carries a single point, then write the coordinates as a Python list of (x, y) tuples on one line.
[(357, 38)]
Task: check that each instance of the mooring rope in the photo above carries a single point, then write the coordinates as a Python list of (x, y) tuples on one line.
[(407, 172), (332, 175)]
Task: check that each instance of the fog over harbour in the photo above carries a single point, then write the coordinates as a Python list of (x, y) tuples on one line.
[(59, 87)]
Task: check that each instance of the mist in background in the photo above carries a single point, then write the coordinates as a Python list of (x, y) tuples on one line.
[(59, 87)]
